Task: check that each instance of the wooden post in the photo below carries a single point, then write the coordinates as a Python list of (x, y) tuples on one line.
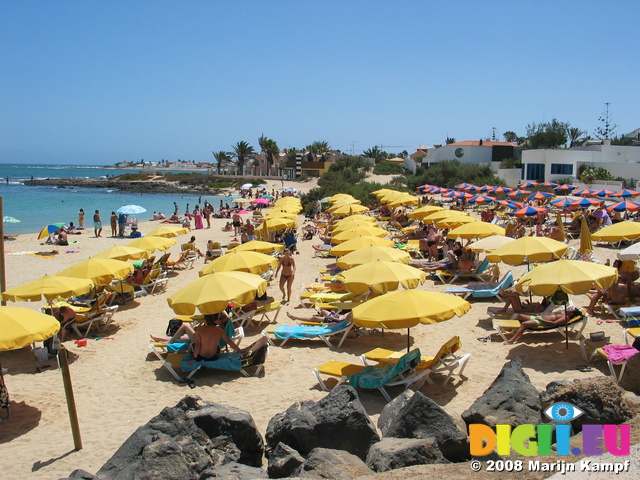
[(71, 402), (3, 283)]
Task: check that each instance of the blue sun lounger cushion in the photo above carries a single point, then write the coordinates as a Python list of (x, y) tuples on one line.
[(374, 377), (226, 361), (282, 332)]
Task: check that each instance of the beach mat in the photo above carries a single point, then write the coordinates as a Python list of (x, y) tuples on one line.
[(43, 254)]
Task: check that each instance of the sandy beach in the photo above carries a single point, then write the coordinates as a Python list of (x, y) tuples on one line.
[(119, 385)]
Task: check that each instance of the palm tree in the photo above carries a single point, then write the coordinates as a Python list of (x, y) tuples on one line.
[(270, 151), (375, 153), (319, 147), (574, 134), (221, 157), (242, 152), (510, 136)]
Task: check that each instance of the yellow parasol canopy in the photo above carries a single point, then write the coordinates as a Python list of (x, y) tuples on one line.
[(456, 221), (528, 249), (339, 196), (407, 308), (212, 293), (371, 254), (258, 246), (168, 231), (560, 225), (273, 224), (476, 230), (358, 231), (439, 215), (279, 214), (123, 253), (404, 200), (586, 246), (381, 277), (424, 211), (382, 192), (572, 276), (152, 243), (20, 327), (360, 242), (489, 244), (344, 201), (620, 231), (49, 287), (100, 270), (344, 225), (350, 209), (241, 261)]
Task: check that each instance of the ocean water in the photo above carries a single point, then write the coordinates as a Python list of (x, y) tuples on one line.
[(37, 207)]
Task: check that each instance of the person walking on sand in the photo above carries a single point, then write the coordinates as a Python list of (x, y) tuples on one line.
[(81, 219), (237, 223), (97, 224), (288, 265)]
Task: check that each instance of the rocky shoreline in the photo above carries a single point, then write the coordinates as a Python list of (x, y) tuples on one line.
[(149, 186)]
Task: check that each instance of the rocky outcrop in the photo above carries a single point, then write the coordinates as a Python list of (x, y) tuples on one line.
[(392, 453), (338, 421), (601, 400), (510, 400), (413, 415), (283, 461), (182, 442), (325, 463)]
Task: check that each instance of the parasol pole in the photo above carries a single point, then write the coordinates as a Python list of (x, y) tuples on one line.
[(71, 402), (3, 283)]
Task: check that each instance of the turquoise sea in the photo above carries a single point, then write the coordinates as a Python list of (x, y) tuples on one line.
[(37, 207)]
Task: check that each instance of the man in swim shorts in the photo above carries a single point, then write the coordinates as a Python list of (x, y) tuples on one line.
[(97, 224)]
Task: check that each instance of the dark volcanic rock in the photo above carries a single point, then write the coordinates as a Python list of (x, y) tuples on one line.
[(338, 421), (510, 400), (332, 464), (391, 453), (413, 415), (599, 398), (283, 461), (233, 471)]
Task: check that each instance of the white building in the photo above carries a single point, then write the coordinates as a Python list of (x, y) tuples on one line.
[(554, 164), (474, 151)]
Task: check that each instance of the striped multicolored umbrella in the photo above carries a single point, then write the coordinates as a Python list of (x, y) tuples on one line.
[(529, 212), (518, 192), (603, 193), (540, 196), (585, 202), (585, 192), (626, 193), (622, 206), (529, 184), (499, 190)]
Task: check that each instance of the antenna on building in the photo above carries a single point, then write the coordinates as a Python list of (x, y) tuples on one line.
[(493, 135)]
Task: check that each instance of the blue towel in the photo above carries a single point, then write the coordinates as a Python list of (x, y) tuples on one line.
[(373, 377), (177, 347), (226, 361), (286, 331)]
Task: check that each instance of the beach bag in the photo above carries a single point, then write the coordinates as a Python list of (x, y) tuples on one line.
[(249, 307), (52, 345), (174, 325), (256, 354)]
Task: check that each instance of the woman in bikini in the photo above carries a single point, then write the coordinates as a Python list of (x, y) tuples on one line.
[(288, 265)]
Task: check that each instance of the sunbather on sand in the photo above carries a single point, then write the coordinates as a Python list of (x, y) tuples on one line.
[(546, 320), (614, 295), (205, 339), (325, 316)]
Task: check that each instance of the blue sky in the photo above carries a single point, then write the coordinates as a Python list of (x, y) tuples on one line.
[(88, 82)]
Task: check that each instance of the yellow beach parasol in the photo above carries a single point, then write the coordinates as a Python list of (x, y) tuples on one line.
[(279, 214), (123, 253), (439, 215), (360, 242), (339, 196), (350, 210), (348, 224), (371, 254), (424, 211), (20, 327), (251, 262), (489, 244), (381, 277), (528, 249), (476, 230), (404, 200), (273, 224), (152, 243), (168, 231), (50, 287), (456, 221), (258, 246), (620, 231), (408, 308), (586, 246), (341, 203), (212, 293), (100, 270), (560, 224), (354, 232)]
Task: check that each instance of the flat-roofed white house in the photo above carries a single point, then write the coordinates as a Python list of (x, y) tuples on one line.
[(473, 151), (555, 164)]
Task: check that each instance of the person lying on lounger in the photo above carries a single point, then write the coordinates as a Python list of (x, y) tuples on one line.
[(205, 339), (512, 299), (546, 320), (325, 316)]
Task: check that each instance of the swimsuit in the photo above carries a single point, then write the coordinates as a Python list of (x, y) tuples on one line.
[(97, 225), (200, 358), (537, 319), (236, 223)]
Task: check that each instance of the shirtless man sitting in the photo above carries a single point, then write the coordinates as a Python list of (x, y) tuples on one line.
[(616, 294), (545, 320), (205, 339), (465, 264)]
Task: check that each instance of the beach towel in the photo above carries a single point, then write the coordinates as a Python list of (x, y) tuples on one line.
[(282, 332), (374, 377), (619, 353), (177, 347), (226, 361)]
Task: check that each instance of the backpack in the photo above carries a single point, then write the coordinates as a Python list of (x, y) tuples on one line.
[(173, 326)]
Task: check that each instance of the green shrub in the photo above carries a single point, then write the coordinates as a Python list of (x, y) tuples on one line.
[(388, 168)]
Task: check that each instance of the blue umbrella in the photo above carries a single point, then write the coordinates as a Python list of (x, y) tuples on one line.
[(10, 220), (262, 185), (131, 210), (231, 198), (271, 197)]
